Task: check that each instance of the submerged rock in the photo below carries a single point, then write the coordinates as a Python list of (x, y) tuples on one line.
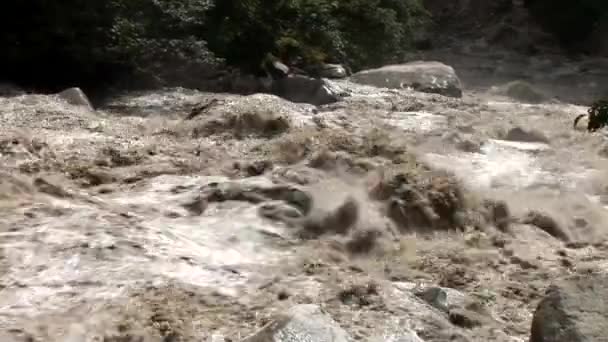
[(306, 322), (524, 135), (76, 97), (304, 89), (520, 91), (424, 76), (547, 223)]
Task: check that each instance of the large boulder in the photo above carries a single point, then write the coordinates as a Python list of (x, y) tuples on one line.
[(305, 322), (304, 89), (424, 76), (573, 310)]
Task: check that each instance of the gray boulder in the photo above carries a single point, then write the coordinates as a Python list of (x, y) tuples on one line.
[(573, 310), (304, 89), (424, 76), (76, 97), (305, 322), (526, 135)]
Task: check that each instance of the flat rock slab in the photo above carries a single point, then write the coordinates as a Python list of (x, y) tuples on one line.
[(573, 310)]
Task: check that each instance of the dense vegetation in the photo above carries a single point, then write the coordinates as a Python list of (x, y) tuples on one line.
[(573, 22), (55, 44), (150, 42)]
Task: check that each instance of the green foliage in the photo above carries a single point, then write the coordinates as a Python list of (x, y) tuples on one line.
[(571, 21), (358, 33), (158, 40)]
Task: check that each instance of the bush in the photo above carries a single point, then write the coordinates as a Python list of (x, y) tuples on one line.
[(359, 33), (55, 44), (159, 41)]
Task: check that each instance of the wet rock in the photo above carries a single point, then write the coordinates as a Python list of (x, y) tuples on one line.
[(49, 188), (498, 213), (76, 97), (196, 206), (548, 224), (333, 71), (279, 211), (468, 145), (261, 115), (363, 241), (520, 91), (202, 108), (457, 277), (466, 319), (306, 322), (328, 160), (424, 76), (304, 89), (574, 309), (422, 204), (525, 264), (360, 295), (161, 102), (441, 298), (251, 123), (339, 220), (435, 296), (464, 142), (90, 177), (257, 193), (521, 134)]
